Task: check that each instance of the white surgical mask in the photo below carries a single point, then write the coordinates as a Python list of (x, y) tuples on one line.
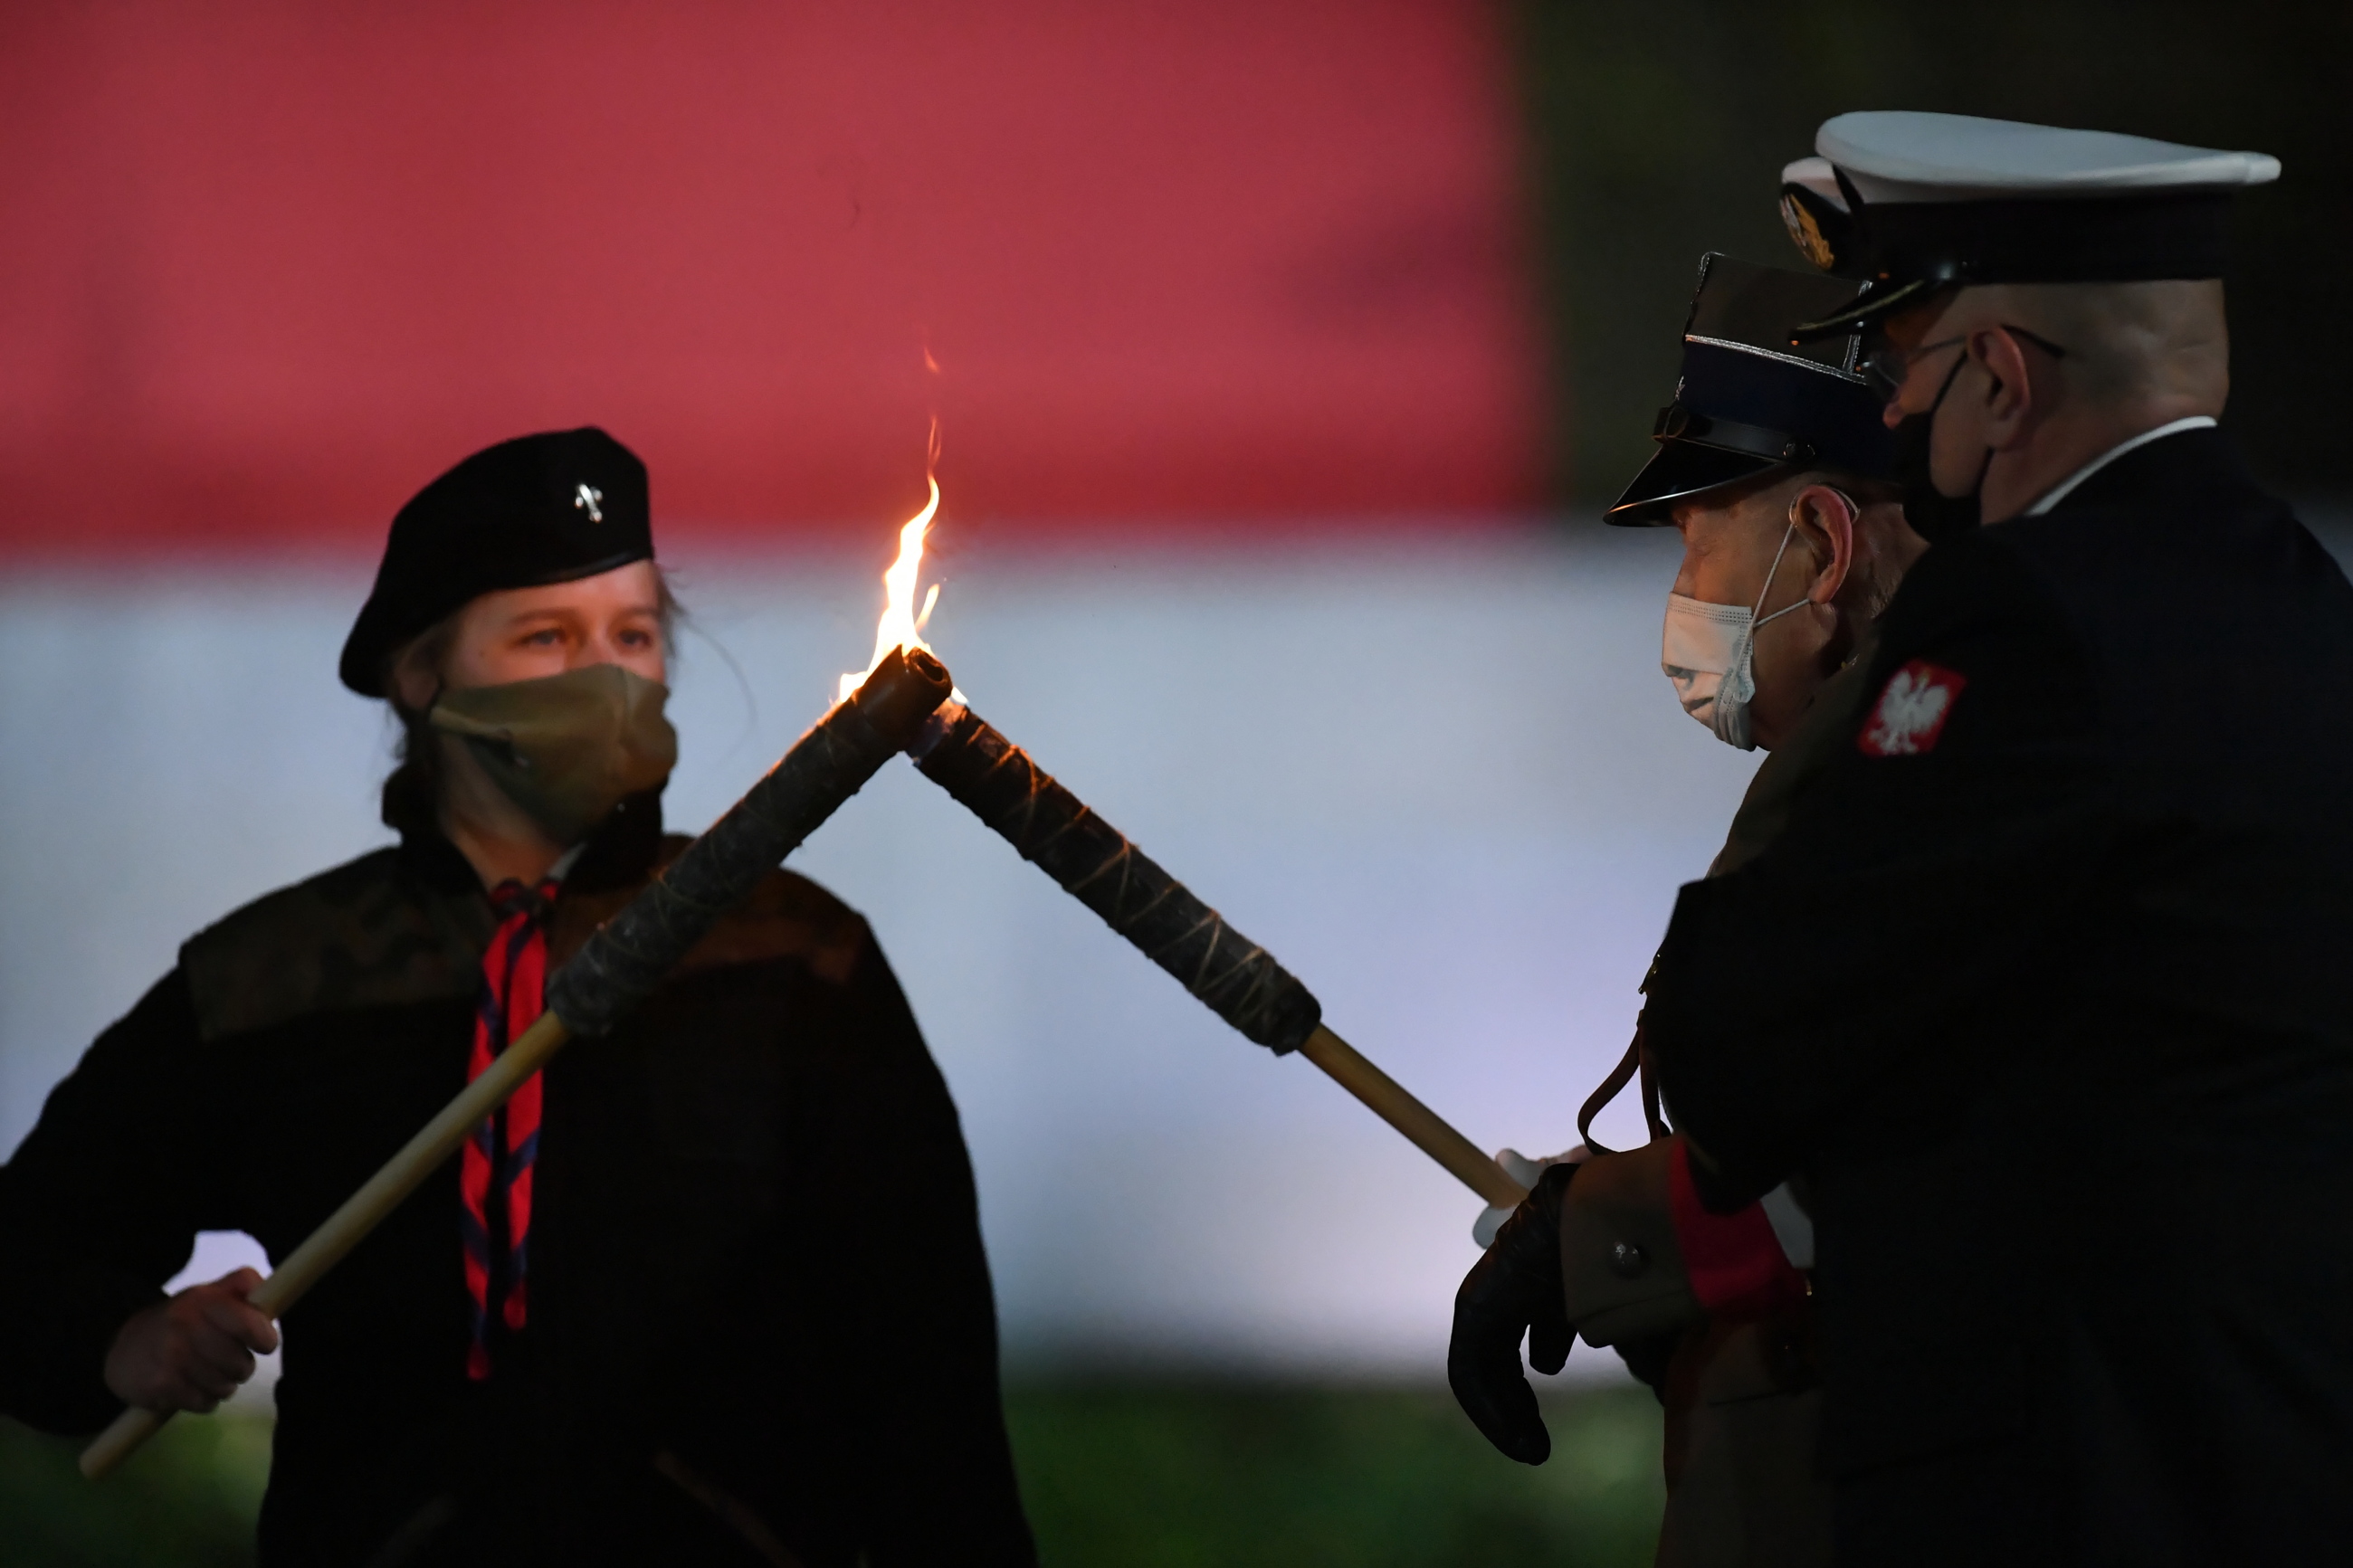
[(1708, 652)]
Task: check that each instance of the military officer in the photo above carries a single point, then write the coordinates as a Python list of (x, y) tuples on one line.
[(1774, 465), (2073, 1106), (652, 1313)]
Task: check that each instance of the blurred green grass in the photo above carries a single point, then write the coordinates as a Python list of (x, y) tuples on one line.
[(188, 1501), (1141, 1475), (1238, 1475)]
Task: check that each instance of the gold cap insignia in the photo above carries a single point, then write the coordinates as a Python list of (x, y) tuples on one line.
[(1806, 233)]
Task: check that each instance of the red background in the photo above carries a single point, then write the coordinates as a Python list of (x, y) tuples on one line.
[(268, 268)]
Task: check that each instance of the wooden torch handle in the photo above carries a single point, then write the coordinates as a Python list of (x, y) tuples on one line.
[(122, 1434), (364, 1210), (1234, 977), (1427, 1132)]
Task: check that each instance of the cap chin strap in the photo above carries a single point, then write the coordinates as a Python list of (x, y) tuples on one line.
[(1677, 422), (1869, 308)]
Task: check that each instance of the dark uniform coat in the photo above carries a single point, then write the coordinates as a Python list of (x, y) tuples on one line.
[(2044, 988), (761, 1327), (1741, 1389)]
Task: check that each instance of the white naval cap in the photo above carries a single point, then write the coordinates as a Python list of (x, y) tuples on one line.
[(1912, 202)]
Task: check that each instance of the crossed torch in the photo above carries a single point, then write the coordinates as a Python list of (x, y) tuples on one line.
[(902, 705)]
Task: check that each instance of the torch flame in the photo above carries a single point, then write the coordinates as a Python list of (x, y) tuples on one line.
[(902, 625)]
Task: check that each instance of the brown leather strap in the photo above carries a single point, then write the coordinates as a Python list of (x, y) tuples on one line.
[(1636, 1059), (1652, 1116), (1599, 1099)]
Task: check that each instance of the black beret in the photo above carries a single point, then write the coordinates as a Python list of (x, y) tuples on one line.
[(539, 508)]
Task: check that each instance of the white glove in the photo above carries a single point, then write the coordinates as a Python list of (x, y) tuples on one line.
[(1524, 1171)]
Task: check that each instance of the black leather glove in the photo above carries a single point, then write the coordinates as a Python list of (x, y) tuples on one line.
[(1513, 1290)]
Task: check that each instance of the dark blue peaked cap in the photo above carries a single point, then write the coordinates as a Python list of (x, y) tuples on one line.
[(1748, 402), (540, 509)]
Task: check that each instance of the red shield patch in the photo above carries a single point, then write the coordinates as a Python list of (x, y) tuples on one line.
[(1912, 711)]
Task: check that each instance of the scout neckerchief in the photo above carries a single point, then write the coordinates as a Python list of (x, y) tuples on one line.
[(494, 1174)]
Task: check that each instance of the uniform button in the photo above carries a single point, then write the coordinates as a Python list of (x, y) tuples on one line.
[(1627, 1261)]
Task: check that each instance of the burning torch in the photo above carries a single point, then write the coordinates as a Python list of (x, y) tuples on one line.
[(1232, 976), (904, 702), (1096, 864), (877, 717)]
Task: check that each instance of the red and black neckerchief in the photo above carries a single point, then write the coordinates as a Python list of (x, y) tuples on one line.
[(494, 1173)]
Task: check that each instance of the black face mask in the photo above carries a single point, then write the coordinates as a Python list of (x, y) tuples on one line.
[(1933, 515)]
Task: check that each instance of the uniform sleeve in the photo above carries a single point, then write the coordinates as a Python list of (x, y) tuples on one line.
[(940, 1468), (1947, 855), (98, 1208), (1621, 1261)]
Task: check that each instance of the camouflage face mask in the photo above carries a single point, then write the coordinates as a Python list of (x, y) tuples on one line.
[(567, 748)]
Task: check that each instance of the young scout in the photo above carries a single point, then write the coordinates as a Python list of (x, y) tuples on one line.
[(657, 1311), (1774, 466), (2072, 1107)]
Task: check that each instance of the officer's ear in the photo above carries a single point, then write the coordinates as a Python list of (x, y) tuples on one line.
[(1824, 517), (2011, 406)]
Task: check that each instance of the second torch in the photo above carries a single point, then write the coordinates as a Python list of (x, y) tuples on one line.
[(1235, 979)]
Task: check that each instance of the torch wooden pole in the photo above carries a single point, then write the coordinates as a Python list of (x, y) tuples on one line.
[(1427, 1132), (122, 1434), (1235, 978), (364, 1210)]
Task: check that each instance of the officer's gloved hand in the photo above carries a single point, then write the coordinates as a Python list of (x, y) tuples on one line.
[(1514, 1291)]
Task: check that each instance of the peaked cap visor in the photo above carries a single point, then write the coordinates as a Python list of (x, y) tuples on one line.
[(1677, 472), (1873, 305), (550, 508)]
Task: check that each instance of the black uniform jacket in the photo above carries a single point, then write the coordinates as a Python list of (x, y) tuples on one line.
[(2052, 1008), (760, 1321)]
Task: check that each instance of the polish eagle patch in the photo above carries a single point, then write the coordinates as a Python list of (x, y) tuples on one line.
[(1912, 711)]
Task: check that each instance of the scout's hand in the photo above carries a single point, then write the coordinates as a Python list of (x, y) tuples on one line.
[(190, 1352), (1515, 1290)]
